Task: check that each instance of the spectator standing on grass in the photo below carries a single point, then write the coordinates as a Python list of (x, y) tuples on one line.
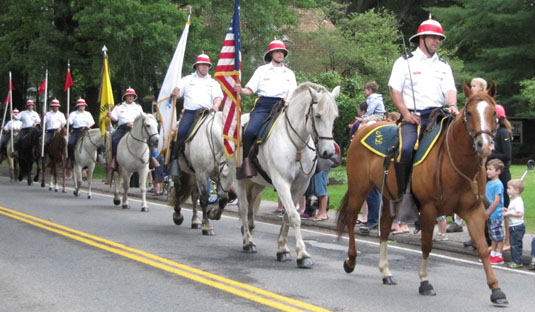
[(494, 193)]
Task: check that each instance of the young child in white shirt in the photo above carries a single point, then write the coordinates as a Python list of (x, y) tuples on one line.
[(517, 229)]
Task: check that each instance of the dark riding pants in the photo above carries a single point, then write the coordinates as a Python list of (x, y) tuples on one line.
[(260, 112), (116, 137), (49, 135), (72, 140)]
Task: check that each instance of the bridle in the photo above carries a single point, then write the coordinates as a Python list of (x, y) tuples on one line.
[(315, 136), (149, 136), (471, 133)]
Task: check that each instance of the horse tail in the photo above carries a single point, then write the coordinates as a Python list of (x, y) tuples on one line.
[(184, 186), (342, 215)]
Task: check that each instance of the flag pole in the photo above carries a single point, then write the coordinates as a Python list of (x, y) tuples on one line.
[(44, 119), (108, 123), (11, 110), (5, 111), (68, 109)]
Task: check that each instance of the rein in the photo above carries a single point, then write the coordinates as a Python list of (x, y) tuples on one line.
[(130, 134)]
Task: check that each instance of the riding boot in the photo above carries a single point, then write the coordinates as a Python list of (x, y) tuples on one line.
[(403, 173), (68, 164), (247, 169), (174, 169)]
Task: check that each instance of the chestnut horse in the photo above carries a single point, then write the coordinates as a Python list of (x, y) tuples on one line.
[(451, 179), (55, 155)]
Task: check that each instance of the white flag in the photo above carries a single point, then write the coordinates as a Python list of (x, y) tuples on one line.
[(166, 109)]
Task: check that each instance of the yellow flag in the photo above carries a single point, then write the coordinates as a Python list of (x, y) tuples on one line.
[(106, 98)]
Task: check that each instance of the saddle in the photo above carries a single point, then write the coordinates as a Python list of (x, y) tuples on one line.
[(263, 136), (200, 118)]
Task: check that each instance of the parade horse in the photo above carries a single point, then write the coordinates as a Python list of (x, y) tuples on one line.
[(451, 179), (12, 161), (55, 152), (302, 133), (85, 156), (203, 158), (29, 152), (133, 155)]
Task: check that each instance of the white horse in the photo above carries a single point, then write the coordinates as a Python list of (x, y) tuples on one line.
[(133, 154), (203, 158), (289, 156), (85, 156)]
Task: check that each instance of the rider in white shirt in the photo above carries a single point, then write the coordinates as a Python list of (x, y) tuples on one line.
[(11, 125), (29, 119), (54, 120), (273, 82), (124, 114), (78, 119)]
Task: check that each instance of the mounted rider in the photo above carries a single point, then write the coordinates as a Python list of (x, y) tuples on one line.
[(29, 118), (78, 119), (54, 120), (200, 91), (273, 82), (11, 125), (419, 83), (124, 114)]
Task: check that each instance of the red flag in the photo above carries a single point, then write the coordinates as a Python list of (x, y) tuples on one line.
[(68, 80), (42, 87), (228, 74), (6, 101)]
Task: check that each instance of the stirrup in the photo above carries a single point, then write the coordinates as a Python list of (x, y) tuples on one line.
[(247, 170)]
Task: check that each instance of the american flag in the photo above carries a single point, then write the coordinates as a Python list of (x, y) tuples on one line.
[(228, 73)]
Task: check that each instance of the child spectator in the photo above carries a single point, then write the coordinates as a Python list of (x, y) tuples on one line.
[(532, 264), (376, 108), (393, 116), (493, 214), (363, 106), (517, 229)]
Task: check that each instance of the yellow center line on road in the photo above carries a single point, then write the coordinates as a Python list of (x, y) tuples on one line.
[(243, 290)]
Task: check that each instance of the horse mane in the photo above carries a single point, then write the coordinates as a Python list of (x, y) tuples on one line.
[(303, 90)]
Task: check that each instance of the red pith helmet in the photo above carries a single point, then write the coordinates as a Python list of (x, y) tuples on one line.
[(274, 46), (130, 91), (55, 102), (79, 102), (428, 27), (30, 102), (202, 59)]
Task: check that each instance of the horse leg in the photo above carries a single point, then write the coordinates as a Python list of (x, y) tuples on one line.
[(428, 216), (385, 226), (125, 176), (36, 177), (43, 161), (244, 188), (354, 204), (76, 178), (178, 218), (207, 229), (90, 170), (116, 199), (143, 188), (196, 223), (64, 173), (476, 227)]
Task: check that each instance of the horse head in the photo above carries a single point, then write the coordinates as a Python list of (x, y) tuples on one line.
[(324, 111), (479, 116), (150, 128)]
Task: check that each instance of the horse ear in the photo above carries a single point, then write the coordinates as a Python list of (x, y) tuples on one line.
[(314, 94), (467, 90), (493, 89), (336, 92)]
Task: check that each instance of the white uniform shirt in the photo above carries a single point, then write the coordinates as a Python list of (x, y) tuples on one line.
[(125, 113), (13, 124), (199, 92), (54, 120), (28, 118), (81, 119), (272, 81), (516, 205), (431, 78)]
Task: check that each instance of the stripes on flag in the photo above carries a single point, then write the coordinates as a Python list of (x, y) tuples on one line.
[(228, 74)]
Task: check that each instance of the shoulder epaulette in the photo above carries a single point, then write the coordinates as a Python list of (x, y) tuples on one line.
[(442, 60), (408, 55)]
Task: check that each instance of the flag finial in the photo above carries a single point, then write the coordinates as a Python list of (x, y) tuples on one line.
[(105, 50), (430, 17)]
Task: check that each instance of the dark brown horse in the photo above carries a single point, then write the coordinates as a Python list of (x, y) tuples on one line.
[(55, 155), (28, 151), (451, 179)]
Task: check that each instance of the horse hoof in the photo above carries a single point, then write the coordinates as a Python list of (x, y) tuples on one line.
[(75, 193), (125, 207), (29, 182), (208, 232), (144, 209), (305, 263), (250, 249), (64, 191), (284, 256), (426, 289), (50, 189), (498, 297), (194, 226), (389, 280), (348, 268), (88, 196), (116, 202), (56, 190), (178, 219)]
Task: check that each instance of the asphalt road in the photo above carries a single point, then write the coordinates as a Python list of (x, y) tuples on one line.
[(61, 253)]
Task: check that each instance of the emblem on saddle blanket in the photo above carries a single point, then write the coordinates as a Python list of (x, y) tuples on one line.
[(381, 138)]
